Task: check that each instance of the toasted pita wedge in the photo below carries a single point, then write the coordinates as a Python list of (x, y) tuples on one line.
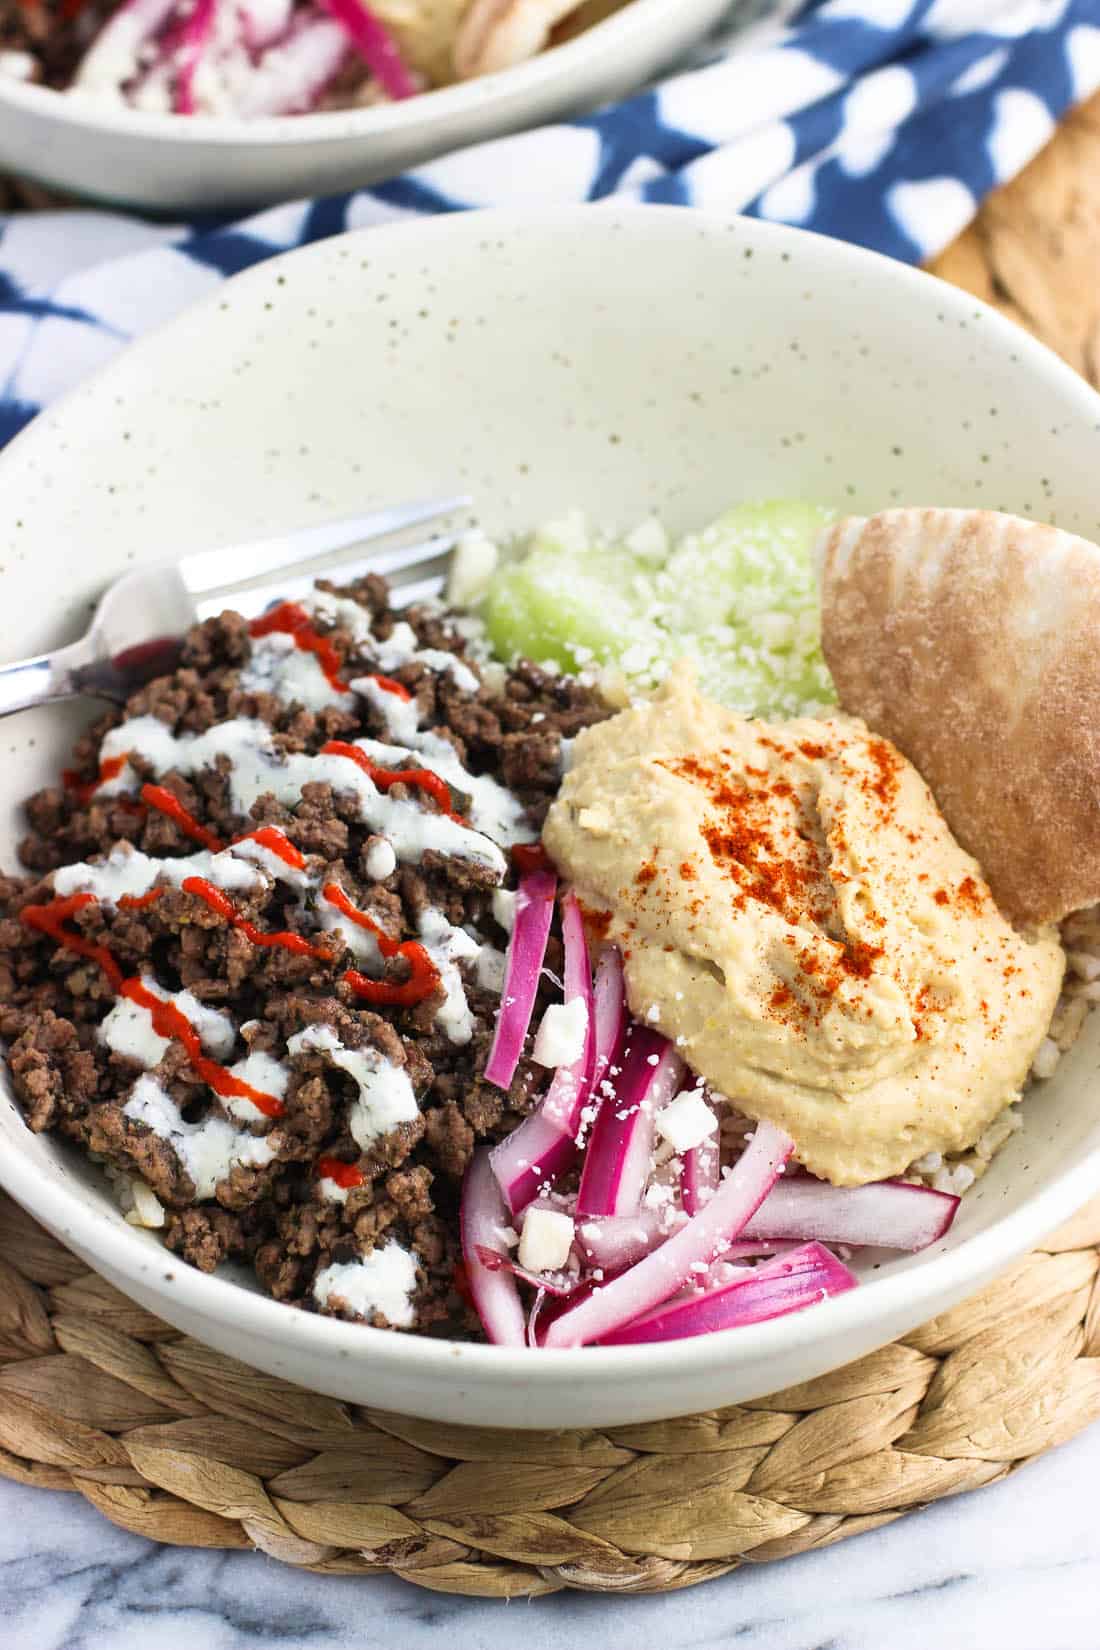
[(972, 640)]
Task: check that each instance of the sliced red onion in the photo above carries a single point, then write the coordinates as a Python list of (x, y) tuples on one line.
[(696, 1244), (375, 45), (746, 1248), (263, 22), (888, 1214), (545, 1144), (548, 1308), (610, 1013), (789, 1284), (522, 967), (534, 1318), (483, 1218), (568, 1093), (558, 1284), (118, 52), (620, 1151), (294, 73), (699, 1175), (613, 1242), (533, 1156), (191, 44)]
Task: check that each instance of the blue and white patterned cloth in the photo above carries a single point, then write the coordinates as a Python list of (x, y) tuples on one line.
[(883, 122)]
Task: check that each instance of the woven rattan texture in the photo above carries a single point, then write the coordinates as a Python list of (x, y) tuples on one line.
[(174, 1442), (177, 1443)]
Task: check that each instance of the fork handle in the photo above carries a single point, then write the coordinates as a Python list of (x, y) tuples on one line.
[(44, 678)]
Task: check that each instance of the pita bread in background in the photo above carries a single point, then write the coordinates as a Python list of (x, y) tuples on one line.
[(972, 640), (497, 34), (425, 32), (445, 40)]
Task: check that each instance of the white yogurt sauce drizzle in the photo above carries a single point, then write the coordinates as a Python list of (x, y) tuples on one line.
[(260, 1071), (492, 808), (128, 1028), (445, 944), (209, 1150), (280, 667), (257, 769), (400, 647), (382, 1282), (385, 1099), (128, 873)]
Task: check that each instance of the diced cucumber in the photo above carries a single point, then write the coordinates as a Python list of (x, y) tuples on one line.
[(555, 605), (740, 596), (754, 559)]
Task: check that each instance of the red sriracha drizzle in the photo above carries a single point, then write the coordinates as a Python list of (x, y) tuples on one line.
[(138, 902), (163, 800), (51, 919), (168, 1020), (423, 978), (291, 619), (223, 905), (271, 838), (388, 685), (347, 1175), (422, 778), (84, 789)]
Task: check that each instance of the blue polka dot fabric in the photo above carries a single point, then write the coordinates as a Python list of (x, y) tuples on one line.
[(884, 122)]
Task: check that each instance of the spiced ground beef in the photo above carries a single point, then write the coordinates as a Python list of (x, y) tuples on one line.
[(277, 1216)]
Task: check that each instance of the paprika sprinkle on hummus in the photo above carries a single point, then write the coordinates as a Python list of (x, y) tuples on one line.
[(833, 961)]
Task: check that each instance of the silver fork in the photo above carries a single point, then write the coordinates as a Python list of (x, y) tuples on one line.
[(137, 627)]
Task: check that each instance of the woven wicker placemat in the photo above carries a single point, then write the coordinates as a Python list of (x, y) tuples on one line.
[(177, 1443)]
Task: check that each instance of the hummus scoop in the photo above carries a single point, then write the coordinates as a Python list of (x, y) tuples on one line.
[(796, 916)]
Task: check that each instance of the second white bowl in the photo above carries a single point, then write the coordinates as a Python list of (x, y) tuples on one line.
[(168, 163)]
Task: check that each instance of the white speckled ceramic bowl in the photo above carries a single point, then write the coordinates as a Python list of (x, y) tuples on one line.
[(625, 361), (169, 164)]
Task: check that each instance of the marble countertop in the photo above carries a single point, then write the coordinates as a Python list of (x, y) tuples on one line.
[(1014, 1567)]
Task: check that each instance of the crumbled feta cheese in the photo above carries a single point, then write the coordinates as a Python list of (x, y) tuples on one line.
[(17, 65), (503, 906), (648, 540), (687, 1121), (381, 1284), (560, 1037), (955, 1179), (147, 1210), (546, 1240), (930, 1163), (380, 861), (1046, 1059), (657, 1195), (473, 565), (569, 532)]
